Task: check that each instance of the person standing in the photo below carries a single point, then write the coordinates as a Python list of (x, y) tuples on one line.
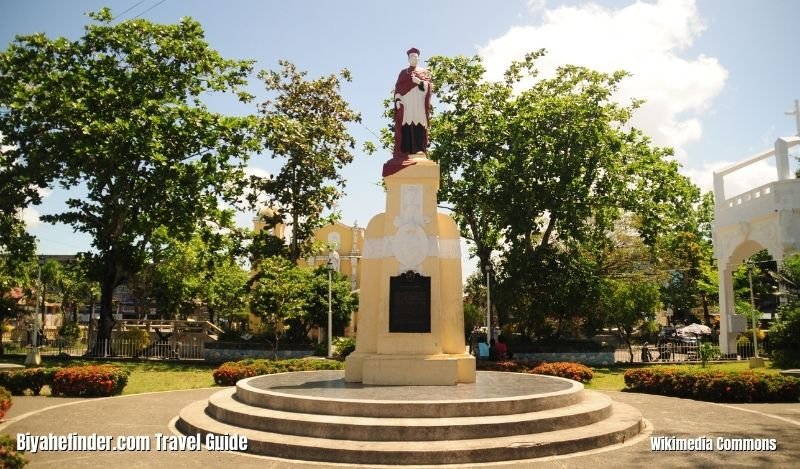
[(412, 107), (502, 348)]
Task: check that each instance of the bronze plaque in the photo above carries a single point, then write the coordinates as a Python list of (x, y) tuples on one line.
[(410, 303)]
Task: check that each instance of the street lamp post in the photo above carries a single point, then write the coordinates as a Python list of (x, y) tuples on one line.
[(488, 269), (333, 263), (34, 358), (330, 310)]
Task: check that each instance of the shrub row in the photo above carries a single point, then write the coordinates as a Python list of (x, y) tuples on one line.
[(89, 381), (569, 370), (78, 381), (230, 372), (511, 366), (715, 386), (574, 371), (17, 381)]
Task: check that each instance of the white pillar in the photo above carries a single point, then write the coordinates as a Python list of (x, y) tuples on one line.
[(727, 338), (719, 189), (782, 157)]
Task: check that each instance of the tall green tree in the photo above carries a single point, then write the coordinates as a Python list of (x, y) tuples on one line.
[(120, 113), (280, 295), (469, 137), (304, 126), (475, 303), (184, 275), (544, 168), (784, 334), (17, 250), (765, 286), (343, 302), (78, 290), (687, 251), (629, 303)]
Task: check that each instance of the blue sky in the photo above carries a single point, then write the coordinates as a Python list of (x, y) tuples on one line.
[(717, 75)]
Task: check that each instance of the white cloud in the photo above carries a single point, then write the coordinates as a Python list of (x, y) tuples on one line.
[(44, 192), (251, 171), (645, 39), (242, 203), (258, 172), (31, 217), (244, 214)]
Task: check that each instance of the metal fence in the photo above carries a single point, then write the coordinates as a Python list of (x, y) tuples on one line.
[(687, 353), (112, 348)]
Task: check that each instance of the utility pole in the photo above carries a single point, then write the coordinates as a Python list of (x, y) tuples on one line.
[(34, 358), (488, 269)]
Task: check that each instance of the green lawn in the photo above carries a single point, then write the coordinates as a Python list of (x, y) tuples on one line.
[(151, 379), (153, 376), (611, 378), (146, 376)]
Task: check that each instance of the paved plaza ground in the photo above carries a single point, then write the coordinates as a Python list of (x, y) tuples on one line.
[(148, 414)]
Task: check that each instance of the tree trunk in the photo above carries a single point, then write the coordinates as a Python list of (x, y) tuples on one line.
[(275, 346), (106, 324), (706, 315), (295, 250)]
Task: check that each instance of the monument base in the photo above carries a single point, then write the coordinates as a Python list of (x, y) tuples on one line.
[(317, 416), (410, 370)]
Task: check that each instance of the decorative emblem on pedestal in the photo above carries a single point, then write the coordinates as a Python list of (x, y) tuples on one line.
[(410, 244)]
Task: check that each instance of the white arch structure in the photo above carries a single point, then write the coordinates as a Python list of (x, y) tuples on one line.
[(767, 217)]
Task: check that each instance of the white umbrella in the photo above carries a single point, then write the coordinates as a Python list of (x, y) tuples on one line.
[(696, 329)]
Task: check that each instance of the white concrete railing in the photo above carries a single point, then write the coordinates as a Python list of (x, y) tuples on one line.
[(777, 195), (748, 196)]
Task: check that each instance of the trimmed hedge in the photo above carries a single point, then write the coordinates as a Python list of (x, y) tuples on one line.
[(5, 402), (89, 381), (569, 370), (574, 371), (511, 366), (714, 386), (229, 373), (17, 381)]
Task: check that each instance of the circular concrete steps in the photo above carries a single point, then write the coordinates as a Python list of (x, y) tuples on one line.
[(315, 416)]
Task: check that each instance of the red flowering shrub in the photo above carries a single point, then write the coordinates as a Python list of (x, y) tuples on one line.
[(89, 381), (5, 402), (574, 371), (229, 373), (714, 386)]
